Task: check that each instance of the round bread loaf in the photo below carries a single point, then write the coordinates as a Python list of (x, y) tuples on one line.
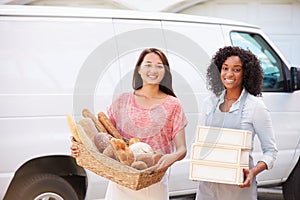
[(140, 147), (101, 141)]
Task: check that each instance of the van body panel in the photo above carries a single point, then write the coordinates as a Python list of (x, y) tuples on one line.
[(76, 12)]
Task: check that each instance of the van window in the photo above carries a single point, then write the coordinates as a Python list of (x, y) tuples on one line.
[(270, 62)]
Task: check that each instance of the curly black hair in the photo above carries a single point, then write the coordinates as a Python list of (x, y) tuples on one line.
[(252, 71)]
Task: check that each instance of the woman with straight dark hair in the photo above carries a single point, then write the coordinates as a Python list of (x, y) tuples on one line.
[(152, 113)]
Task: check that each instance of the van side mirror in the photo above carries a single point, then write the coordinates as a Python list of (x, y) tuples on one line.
[(295, 78)]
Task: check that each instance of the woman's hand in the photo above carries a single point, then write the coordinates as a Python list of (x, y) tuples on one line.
[(168, 159), (250, 174), (74, 149)]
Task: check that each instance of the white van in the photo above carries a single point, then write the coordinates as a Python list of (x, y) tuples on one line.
[(56, 61)]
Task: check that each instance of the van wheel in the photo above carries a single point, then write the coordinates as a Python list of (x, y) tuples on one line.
[(291, 186), (42, 186)]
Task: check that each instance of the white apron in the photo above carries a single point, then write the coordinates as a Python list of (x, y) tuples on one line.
[(219, 191), (157, 191)]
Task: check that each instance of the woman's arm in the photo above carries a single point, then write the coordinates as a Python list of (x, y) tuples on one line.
[(168, 159), (263, 127)]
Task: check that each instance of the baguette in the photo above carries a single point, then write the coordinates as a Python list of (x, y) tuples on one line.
[(87, 114), (109, 126), (73, 128)]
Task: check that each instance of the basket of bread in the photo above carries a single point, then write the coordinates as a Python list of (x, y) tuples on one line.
[(102, 150)]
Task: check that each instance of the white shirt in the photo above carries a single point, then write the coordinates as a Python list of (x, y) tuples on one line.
[(255, 118)]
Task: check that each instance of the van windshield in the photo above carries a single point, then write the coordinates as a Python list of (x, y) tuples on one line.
[(270, 62)]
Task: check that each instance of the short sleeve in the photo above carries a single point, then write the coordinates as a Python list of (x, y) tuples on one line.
[(110, 115), (179, 120)]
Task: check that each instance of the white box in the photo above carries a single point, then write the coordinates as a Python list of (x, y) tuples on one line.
[(219, 173), (224, 136), (220, 154)]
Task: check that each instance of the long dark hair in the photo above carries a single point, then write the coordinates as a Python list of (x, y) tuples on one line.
[(166, 84)]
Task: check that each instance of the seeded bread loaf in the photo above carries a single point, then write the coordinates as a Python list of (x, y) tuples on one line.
[(101, 141)]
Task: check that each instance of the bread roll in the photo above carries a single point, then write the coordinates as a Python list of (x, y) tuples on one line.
[(134, 140), (108, 151), (122, 152), (156, 157), (139, 165), (146, 158)]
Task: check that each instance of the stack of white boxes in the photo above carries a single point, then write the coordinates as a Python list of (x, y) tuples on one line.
[(220, 154)]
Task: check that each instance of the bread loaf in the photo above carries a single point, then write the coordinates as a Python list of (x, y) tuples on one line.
[(108, 125), (122, 152), (89, 127), (84, 138), (146, 158), (108, 151), (73, 128), (141, 147), (133, 140), (139, 165), (156, 157), (88, 114), (101, 141)]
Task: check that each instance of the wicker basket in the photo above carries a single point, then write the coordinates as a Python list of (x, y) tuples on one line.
[(116, 171)]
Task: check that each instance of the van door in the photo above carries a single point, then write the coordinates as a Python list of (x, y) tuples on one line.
[(190, 47), (278, 98)]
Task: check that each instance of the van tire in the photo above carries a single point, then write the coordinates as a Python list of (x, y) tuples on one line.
[(47, 186), (291, 186)]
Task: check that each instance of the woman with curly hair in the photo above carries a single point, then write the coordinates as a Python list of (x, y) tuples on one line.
[(235, 78)]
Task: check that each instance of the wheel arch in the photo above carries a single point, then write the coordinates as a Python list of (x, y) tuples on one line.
[(63, 166)]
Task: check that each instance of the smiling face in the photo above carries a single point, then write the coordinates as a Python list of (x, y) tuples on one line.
[(152, 69), (232, 73)]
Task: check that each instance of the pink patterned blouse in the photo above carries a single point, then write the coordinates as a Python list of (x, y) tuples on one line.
[(157, 126)]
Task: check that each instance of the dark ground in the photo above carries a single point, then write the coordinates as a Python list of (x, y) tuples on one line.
[(263, 194)]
